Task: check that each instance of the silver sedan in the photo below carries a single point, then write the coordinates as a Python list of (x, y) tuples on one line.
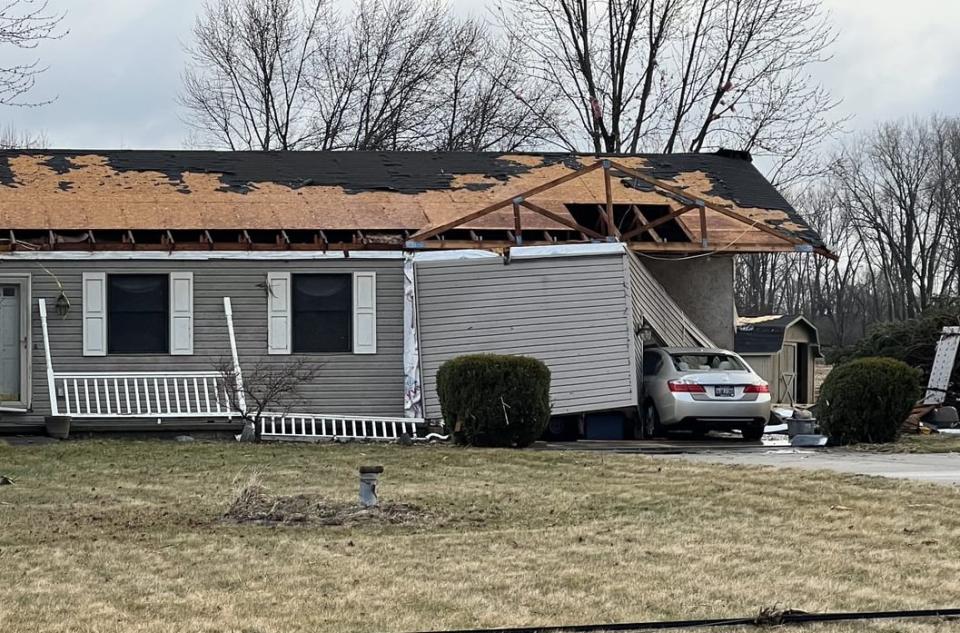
[(702, 389)]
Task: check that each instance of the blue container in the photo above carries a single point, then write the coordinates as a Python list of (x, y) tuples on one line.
[(605, 426)]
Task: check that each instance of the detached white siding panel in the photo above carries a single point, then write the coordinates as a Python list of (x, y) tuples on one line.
[(653, 304), (573, 313), (94, 314)]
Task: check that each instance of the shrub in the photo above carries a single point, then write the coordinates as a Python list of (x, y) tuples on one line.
[(867, 400), (494, 400)]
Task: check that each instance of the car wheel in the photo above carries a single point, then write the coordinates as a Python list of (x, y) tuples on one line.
[(651, 422), (752, 432)]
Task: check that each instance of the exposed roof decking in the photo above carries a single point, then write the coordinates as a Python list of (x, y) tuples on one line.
[(393, 192)]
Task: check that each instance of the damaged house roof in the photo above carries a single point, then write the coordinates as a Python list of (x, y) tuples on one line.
[(89, 199)]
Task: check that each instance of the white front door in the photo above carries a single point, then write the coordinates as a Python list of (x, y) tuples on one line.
[(11, 349)]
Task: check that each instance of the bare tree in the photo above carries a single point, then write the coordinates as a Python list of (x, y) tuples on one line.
[(24, 24), (13, 138), (667, 75), (481, 101), (888, 209), (245, 85), (390, 74), (266, 387)]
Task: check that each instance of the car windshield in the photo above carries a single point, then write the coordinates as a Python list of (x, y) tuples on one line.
[(707, 362)]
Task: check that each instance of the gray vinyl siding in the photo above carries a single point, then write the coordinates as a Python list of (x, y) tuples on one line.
[(346, 383), (651, 302), (570, 312)]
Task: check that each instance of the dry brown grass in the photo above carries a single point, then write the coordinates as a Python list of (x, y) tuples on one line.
[(128, 536), (935, 443)]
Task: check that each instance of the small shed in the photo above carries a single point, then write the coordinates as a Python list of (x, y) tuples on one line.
[(782, 349)]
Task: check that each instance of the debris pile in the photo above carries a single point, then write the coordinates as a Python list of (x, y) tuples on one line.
[(254, 505)]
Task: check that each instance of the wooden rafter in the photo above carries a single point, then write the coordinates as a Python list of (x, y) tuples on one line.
[(676, 213), (715, 207), (642, 219), (427, 233), (559, 219), (516, 222), (608, 193)]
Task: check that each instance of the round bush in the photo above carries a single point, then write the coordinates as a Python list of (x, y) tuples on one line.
[(867, 400), (494, 400)]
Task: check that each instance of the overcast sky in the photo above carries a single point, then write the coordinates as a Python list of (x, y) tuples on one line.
[(116, 75)]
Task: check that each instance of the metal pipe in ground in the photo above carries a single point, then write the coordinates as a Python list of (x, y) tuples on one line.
[(369, 477)]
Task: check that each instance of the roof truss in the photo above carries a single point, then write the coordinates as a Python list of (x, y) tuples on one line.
[(690, 202)]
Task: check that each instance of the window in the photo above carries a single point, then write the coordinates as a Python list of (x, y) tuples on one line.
[(707, 362), (322, 313), (138, 308), (651, 363)]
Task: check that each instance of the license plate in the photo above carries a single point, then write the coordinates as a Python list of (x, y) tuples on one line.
[(724, 391)]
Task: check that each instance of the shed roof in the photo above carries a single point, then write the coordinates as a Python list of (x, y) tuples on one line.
[(390, 192), (765, 334)]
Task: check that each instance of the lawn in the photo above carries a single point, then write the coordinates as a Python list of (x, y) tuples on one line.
[(935, 443), (128, 536)]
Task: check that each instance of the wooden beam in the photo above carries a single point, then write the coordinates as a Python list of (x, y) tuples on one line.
[(692, 248), (516, 222), (716, 207), (655, 223), (703, 226), (612, 230), (643, 220), (559, 219), (429, 232), (486, 244)]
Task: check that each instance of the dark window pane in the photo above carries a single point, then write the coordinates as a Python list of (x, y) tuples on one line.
[(322, 313), (137, 313)]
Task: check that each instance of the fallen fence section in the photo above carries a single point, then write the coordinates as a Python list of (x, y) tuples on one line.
[(315, 427), (764, 618)]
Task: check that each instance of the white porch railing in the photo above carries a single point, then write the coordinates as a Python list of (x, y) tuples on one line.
[(301, 426), (141, 395), (199, 395)]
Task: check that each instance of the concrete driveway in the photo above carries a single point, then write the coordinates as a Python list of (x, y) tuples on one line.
[(940, 468)]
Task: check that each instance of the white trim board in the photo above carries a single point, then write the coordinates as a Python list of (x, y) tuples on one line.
[(527, 252), (517, 252), (195, 256)]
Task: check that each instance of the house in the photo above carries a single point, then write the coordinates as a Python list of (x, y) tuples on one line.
[(127, 276), (783, 350)]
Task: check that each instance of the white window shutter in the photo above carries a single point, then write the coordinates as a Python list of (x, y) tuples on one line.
[(278, 313), (94, 314), (181, 314), (364, 313)]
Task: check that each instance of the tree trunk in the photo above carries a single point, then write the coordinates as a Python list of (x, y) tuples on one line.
[(249, 433)]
